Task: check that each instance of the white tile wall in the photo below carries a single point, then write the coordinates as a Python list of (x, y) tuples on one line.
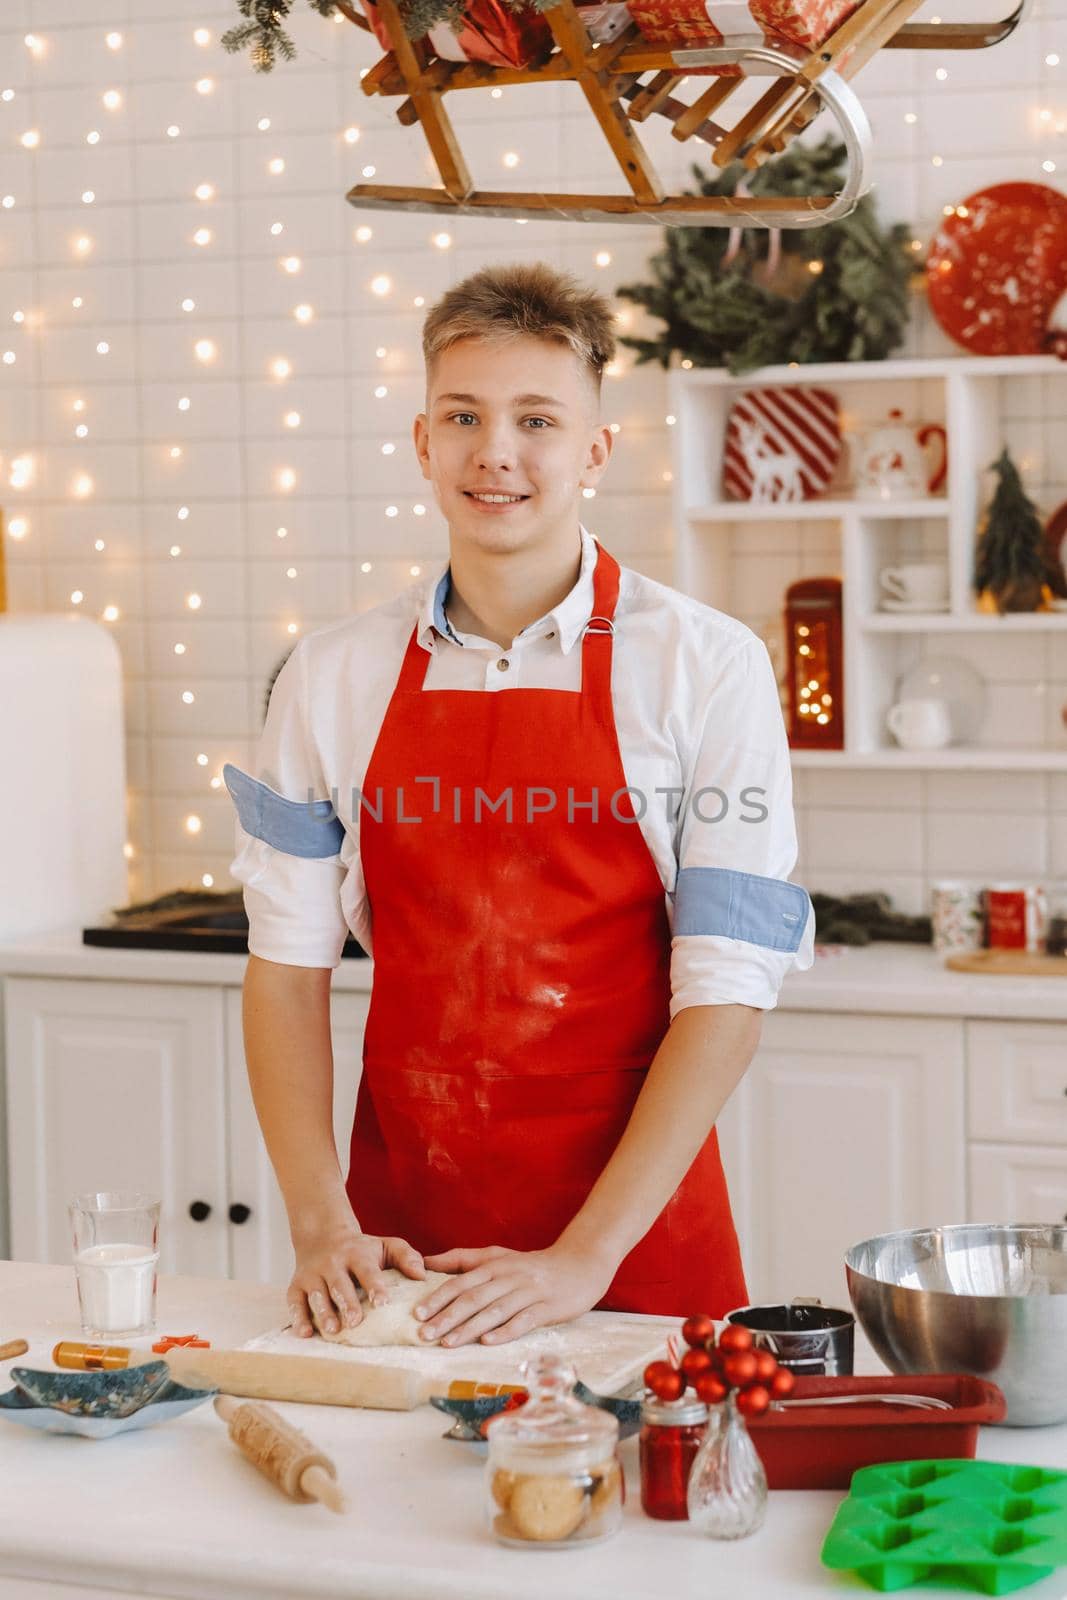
[(220, 501)]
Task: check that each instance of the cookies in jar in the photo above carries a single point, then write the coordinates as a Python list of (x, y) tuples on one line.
[(553, 1479)]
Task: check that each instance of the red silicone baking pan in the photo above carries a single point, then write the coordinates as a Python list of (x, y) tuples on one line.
[(820, 1447)]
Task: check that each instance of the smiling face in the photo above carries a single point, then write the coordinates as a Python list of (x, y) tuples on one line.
[(515, 418)]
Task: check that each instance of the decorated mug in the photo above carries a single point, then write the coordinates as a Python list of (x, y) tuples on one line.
[(958, 915)]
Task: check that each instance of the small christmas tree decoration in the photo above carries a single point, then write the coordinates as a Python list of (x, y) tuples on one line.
[(1013, 571)]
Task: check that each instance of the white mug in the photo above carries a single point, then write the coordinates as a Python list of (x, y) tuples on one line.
[(918, 582), (920, 724)]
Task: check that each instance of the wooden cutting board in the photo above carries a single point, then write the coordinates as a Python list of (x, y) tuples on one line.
[(1009, 963), (607, 1349)]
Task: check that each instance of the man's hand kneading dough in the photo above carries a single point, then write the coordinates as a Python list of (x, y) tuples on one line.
[(331, 1263)]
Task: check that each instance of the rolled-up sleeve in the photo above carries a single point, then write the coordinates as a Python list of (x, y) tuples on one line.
[(738, 924), (287, 837)]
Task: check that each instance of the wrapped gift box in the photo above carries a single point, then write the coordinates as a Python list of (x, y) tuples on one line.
[(680, 25), (605, 21), (491, 33), (499, 37), (801, 22), (691, 24), (485, 40)]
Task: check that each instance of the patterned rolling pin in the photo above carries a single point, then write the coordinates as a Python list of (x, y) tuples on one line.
[(281, 1452)]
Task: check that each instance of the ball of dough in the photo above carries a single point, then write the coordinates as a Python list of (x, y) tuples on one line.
[(394, 1323), (546, 1505)]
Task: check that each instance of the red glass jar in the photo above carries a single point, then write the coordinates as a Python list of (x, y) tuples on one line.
[(671, 1435)]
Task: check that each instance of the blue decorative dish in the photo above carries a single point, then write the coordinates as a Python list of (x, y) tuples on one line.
[(469, 1416), (97, 1404)]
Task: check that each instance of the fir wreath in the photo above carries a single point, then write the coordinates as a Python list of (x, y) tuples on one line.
[(838, 292), (263, 32)]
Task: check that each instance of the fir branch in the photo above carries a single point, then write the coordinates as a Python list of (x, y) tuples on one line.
[(264, 31)]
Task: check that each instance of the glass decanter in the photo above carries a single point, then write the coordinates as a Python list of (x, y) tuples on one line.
[(727, 1495)]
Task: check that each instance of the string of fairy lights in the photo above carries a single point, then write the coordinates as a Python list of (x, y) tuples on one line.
[(20, 473)]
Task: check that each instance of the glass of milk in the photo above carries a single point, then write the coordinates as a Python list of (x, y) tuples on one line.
[(116, 1253)]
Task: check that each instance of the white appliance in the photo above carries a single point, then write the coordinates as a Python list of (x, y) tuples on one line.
[(62, 775)]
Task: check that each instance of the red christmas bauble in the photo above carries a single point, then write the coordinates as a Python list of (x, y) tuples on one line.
[(736, 1337), (696, 1331), (665, 1381), (752, 1402)]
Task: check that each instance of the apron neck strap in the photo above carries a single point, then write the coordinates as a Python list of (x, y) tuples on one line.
[(596, 656), (598, 634), (605, 592)]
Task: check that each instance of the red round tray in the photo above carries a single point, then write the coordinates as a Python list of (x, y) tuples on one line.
[(997, 267), (818, 1447)]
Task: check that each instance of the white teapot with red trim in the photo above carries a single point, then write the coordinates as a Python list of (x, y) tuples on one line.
[(893, 464)]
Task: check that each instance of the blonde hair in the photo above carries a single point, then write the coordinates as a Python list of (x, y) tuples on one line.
[(533, 299)]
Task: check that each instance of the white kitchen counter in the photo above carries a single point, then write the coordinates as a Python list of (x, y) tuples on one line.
[(911, 980), (63, 955), (177, 1511), (890, 978)]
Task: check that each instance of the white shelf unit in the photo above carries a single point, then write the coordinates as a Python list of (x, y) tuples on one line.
[(971, 397)]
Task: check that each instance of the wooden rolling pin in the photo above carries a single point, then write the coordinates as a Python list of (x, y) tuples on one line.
[(281, 1452), (308, 1380), (259, 1375)]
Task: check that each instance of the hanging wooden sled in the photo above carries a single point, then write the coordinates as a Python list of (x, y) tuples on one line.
[(631, 78)]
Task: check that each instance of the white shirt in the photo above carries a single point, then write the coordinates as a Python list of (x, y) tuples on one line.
[(698, 718)]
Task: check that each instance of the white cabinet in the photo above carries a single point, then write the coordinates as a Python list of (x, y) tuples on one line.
[(1017, 1082), (116, 1086), (1018, 1183), (260, 1243), (843, 1127), (127, 1085), (1017, 1118)]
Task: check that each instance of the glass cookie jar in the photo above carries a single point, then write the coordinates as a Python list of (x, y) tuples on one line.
[(554, 1478)]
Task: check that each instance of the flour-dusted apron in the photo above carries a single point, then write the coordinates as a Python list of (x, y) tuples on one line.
[(521, 980)]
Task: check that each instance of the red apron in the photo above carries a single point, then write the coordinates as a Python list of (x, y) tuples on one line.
[(521, 981)]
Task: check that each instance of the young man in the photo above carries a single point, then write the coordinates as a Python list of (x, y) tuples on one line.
[(564, 829)]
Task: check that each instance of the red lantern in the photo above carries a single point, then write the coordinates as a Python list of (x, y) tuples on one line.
[(816, 675)]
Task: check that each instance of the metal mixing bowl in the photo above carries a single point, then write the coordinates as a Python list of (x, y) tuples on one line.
[(986, 1299)]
